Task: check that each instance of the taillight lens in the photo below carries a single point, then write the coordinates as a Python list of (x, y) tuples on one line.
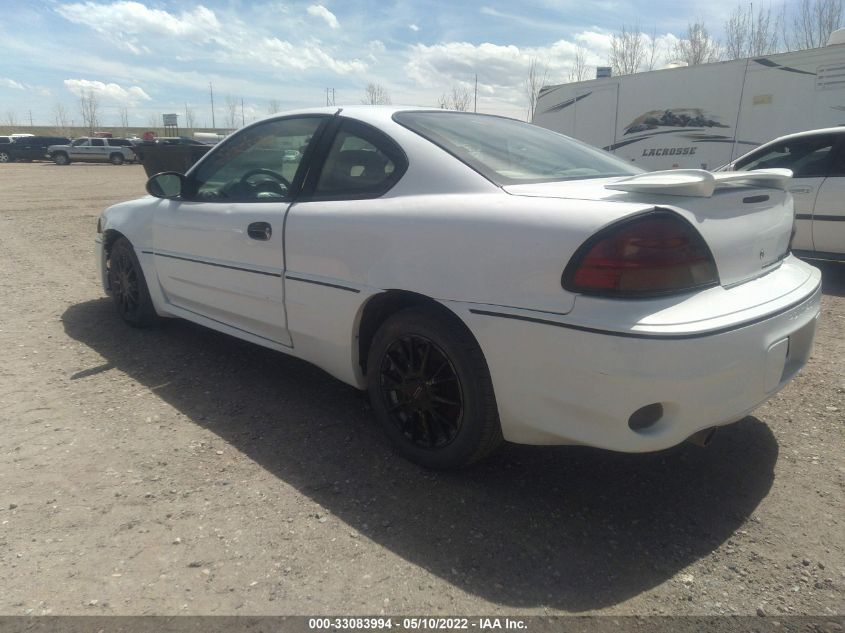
[(652, 254)]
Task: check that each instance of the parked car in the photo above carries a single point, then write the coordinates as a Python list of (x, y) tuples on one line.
[(113, 150), (817, 161), (482, 278), (33, 147)]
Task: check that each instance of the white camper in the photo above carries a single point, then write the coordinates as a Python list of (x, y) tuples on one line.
[(701, 116)]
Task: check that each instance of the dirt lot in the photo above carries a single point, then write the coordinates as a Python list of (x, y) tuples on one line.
[(180, 471)]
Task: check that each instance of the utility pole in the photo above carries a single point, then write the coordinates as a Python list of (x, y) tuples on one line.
[(330, 97), (186, 115), (211, 92), (475, 98), (243, 121)]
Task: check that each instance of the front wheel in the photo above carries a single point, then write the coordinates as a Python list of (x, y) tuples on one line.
[(430, 389), (61, 159), (128, 286)]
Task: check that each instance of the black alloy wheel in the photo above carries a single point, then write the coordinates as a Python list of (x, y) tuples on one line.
[(430, 389), (128, 286), (422, 391)]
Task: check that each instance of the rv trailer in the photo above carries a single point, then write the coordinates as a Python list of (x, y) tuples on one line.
[(701, 116)]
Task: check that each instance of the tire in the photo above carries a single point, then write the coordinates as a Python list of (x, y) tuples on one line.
[(5, 158), (128, 286), (430, 390), (116, 159), (61, 159)]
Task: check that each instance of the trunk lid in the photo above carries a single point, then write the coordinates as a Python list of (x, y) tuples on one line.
[(746, 226)]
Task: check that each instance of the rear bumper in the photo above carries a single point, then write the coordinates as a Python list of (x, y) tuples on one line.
[(561, 383)]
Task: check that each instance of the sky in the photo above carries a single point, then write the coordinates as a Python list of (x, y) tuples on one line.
[(152, 57)]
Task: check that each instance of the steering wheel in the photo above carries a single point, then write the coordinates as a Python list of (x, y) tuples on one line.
[(265, 172)]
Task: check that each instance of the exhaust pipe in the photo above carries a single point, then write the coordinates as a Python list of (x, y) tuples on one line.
[(703, 437)]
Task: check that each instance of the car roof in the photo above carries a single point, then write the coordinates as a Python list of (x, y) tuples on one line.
[(377, 115), (819, 132)]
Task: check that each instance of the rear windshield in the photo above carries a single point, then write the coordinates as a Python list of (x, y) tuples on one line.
[(510, 152)]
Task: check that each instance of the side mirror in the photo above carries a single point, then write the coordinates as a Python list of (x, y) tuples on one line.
[(167, 184)]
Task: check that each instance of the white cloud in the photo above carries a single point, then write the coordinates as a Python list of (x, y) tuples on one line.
[(125, 23), (414, 27), (284, 54), (11, 83), (376, 46), (319, 11), (109, 92)]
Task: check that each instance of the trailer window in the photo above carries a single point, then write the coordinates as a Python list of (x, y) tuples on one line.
[(509, 152)]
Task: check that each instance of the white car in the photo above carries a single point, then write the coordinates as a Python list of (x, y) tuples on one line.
[(483, 278), (817, 161)]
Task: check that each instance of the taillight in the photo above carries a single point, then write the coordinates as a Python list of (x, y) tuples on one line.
[(652, 254)]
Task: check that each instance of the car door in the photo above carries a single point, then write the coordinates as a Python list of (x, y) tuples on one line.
[(809, 158), (219, 250), (80, 148), (829, 209)]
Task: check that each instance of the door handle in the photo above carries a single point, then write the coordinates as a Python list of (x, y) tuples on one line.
[(800, 190), (259, 231)]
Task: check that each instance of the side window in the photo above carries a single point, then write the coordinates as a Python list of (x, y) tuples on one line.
[(837, 164), (81, 142), (98, 142), (361, 163), (806, 157), (258, 164)]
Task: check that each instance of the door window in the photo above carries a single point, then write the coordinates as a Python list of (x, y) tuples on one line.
[(81, 142), (258, 164), (98, 142), (362, 163), (806, 157)]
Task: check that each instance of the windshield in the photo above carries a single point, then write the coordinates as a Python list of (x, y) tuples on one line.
[(510, 152)]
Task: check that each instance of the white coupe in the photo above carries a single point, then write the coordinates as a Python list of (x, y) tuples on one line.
[(482, 278)]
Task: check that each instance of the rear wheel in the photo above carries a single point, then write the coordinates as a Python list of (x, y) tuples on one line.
[(128, 286), (61, 159), (5, 158), (431, 391), (116, 159)]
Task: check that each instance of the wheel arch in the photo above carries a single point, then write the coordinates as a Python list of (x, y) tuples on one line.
[(383, 305)]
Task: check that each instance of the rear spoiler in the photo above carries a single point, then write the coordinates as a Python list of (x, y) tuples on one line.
[(701, 183)]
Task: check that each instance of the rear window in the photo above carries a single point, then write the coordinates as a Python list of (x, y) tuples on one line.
[(510, 152)]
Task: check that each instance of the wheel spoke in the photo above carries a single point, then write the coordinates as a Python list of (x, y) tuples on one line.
[(442, 400)]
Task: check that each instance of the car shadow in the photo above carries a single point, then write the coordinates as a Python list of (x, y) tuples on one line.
[(572, 528), (833, 276)]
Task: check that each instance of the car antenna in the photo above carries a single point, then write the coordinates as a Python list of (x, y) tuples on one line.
[(339, 110)]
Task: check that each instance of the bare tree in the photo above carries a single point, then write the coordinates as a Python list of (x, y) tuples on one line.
[(274, 106), (459, 99), (89, 107), (578, 69), (190, 118), (697, 47), (652, 50), (536, 80), (375, 94), (123, 111), (747, 35), (232, 106), (11, 119), (61, 116), (627, 50), (813, 22)]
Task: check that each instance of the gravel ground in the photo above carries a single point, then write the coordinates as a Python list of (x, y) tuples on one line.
[(179, 471)]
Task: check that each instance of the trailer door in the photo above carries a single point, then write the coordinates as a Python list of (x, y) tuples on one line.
[(595, 115)]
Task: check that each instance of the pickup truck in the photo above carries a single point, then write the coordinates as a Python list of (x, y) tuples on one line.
[(113, 150)]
